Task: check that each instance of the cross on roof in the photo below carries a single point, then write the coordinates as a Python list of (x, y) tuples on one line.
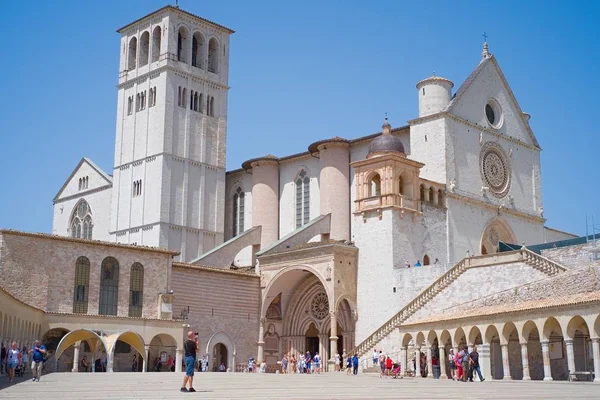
[(485, 36)]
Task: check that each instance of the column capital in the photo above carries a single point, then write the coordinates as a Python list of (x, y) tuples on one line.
[(147, 347), (595, 339), (568, 341), (544, 342)]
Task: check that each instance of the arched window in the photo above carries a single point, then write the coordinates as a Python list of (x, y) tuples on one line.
[(197, 49), (302, 199), (440, 198), (132, 53), (182, 45), (422, 193), (191, 99), (144, 48), (238, 211), (201, 103), (136, 290), (213, 55), (375, 186), (109, 287), (431, 195), (401, 185), (212, 106), (82, 283), (81, 221), (156, 37), (425, 259)]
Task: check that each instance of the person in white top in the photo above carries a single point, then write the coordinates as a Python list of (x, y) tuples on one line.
[(337, 362), (375, 358), (263, 366)]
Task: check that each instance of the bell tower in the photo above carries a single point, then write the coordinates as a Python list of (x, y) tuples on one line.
[(170, 146)]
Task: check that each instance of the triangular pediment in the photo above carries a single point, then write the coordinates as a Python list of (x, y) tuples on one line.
[(95, 177), (487, 85)]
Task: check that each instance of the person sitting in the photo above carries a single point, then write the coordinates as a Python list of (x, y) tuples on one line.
[(222, 368), (418, 264), (396, 371)]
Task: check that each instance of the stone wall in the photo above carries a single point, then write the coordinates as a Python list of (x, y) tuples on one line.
[(44, 278), (478, 282), (223, 308), (572, 256)]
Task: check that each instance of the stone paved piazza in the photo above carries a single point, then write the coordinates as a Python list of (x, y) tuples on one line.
[(222, 386)]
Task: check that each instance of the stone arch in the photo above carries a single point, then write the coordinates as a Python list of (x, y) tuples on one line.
[(576, 323), (420, 339), (161, 343), (131, 338), (597, 326), (144, 48), (459, 338), (406, 339), (213, 55), (198, 43), (132, 53), (431, 337), (295, 270), (491, 332), (183, 48), (373, 182), (95, 341), (156, 40), (475, 336), (551, 325), (497, 230), (224, 339)]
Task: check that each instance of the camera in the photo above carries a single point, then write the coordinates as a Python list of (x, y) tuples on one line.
[(196, 333)]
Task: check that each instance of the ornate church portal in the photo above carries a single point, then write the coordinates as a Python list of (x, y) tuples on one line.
[(308, 306)]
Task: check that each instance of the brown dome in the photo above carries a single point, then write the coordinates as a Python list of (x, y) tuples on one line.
[(386, 142)]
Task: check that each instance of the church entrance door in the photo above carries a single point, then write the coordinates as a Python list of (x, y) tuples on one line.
[(219, 356), (312, 339)]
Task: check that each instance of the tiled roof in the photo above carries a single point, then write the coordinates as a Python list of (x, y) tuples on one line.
[(96, 316), (239, 271), (87, 241), (552, 302)]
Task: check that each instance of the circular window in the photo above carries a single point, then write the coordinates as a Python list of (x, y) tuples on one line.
[(495, 169), (493, 113), (320, 306)]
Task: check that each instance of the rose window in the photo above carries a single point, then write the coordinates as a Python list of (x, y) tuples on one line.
[(495, 169), (320, 306)]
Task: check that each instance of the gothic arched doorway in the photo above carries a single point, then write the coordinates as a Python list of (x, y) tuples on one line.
[(312, 339), (219, 356), (495, 232)]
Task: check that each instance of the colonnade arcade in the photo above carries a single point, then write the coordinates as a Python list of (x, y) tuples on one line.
[(301, 313), (542, 346), (67, 349)]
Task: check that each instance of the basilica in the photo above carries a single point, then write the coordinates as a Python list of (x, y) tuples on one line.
[(353, 244)]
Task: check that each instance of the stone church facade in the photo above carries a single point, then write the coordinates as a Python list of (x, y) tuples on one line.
[(350, 245)]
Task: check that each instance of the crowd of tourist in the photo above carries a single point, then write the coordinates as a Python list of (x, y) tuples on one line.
[(306, 363), (15, 361)]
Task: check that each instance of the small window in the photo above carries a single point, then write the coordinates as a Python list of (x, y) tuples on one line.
[(425, 259), (129, 105), (375, 186), (489, 113), (423, 91)]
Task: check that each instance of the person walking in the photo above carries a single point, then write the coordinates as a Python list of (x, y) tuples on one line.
[(191, 348), (452, 365), (13, 359), (103, 361), (465, 364), (134, 363), (375, 358), (355, 365), (388, 366), (84, 364), (458, 363), (24, 360), (348, 365), (38, 352), (317, 363), (381, 364), (284, 364), (474, 361), (170, 363), (337, 362)]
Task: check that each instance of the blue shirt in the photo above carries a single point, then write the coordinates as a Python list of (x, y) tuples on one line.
[(355, 361), (36, 355)]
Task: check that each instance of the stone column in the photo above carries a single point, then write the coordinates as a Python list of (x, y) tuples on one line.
[(418, 362), (178, 359), (109, 361), (570, 355), (261, 342), (546, 356), (596, 354), (333, 341), (146, 355), (442, 363), (429, 364), (525, 362), (403, 361), (76, 357), (485, 361), (505, 362)]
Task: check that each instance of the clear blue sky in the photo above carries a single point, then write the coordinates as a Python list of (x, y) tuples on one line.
[(300, 71)]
